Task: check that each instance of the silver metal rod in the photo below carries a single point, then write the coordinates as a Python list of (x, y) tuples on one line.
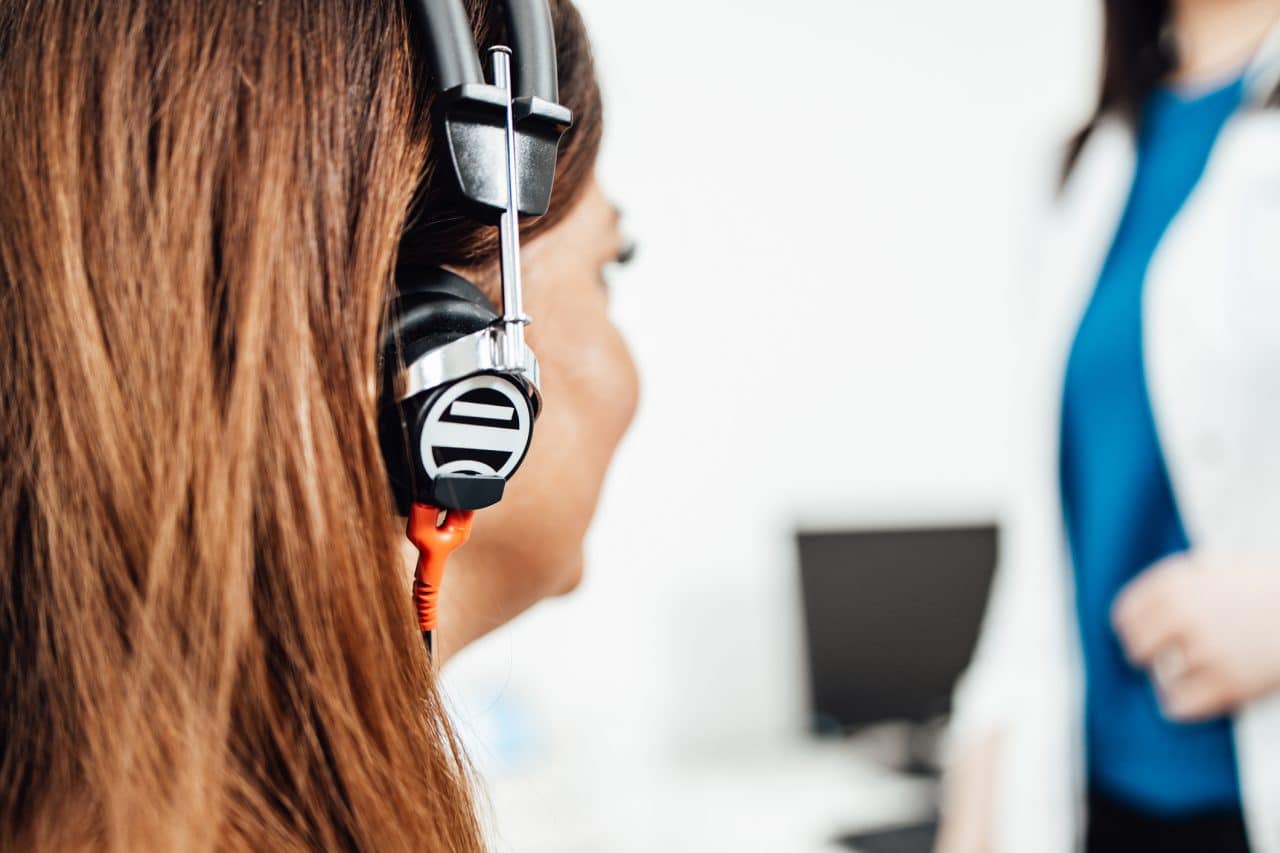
[(513, 316)]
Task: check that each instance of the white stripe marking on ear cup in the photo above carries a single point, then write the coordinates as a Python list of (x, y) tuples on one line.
[(482, 410), (472, 437)]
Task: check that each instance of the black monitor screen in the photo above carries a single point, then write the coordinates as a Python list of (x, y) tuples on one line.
[(891, 619)]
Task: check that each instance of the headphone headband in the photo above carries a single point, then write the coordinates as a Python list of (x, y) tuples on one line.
[(533, 41), (474, 113), (453, 50)]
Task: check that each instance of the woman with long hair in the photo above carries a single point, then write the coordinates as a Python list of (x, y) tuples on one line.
[(206, 636), (1124, 694)]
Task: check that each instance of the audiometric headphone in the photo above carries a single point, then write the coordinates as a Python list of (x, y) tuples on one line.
[(460, 387)]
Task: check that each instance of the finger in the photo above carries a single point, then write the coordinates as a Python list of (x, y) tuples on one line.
[(1161, 635), (1144, 631), (1168, 666), (1197, 696), (1149, 591), (1150, 615)]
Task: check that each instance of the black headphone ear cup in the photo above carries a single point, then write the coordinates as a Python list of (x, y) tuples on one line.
[(432, 308), (399, 432), (456, 446)]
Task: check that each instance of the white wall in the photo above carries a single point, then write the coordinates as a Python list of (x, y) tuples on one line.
[(831, 199)]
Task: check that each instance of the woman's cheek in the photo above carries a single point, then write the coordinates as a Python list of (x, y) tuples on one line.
[(590, 391), (587, 411), (609, 385), (629, 382)]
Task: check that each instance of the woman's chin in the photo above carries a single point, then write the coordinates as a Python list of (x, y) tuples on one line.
[(571, 573)]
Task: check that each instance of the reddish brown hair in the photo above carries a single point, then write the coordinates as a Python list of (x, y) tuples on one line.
[(206, 640)]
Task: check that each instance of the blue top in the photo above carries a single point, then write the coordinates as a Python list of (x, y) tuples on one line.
[(1120, 512)]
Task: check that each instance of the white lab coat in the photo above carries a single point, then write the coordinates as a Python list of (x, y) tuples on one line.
[(1211, 318)]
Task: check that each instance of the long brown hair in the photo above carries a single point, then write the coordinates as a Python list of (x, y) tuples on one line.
[(205, 635)]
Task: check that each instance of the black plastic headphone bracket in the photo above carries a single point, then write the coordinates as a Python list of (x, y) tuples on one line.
[(474, 112), (475, 121), (539, 125), (475, 126)]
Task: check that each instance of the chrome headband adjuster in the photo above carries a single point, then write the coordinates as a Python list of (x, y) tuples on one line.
[(490, 350)]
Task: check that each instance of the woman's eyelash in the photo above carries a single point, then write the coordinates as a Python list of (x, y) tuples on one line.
[(627, 253)]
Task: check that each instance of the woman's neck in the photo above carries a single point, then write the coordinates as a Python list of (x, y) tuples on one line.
[(1216, 37)]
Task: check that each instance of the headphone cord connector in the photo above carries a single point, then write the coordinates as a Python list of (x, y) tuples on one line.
[(436, 533)]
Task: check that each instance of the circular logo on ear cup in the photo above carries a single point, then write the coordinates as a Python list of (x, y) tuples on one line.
[(480, 425)]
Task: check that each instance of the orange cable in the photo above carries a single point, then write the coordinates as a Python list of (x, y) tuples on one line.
[(435, 540)]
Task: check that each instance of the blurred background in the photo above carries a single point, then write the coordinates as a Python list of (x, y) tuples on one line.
[(840, 188)]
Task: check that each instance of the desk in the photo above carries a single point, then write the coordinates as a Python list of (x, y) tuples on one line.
[(793, 798)]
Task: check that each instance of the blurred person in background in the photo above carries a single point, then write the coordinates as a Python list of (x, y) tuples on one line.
[(1123, 695), (206, 636)]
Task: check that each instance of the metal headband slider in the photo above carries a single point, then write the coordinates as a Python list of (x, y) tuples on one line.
[(490, 350)]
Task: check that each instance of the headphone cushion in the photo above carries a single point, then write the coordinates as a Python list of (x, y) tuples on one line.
[(432, 307), (422, 323), (418, 279)]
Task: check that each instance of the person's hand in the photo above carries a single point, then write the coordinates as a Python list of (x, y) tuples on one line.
[(1209, 635), (968, 798)]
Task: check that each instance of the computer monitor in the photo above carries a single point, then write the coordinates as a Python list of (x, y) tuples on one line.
[(891, 619)]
